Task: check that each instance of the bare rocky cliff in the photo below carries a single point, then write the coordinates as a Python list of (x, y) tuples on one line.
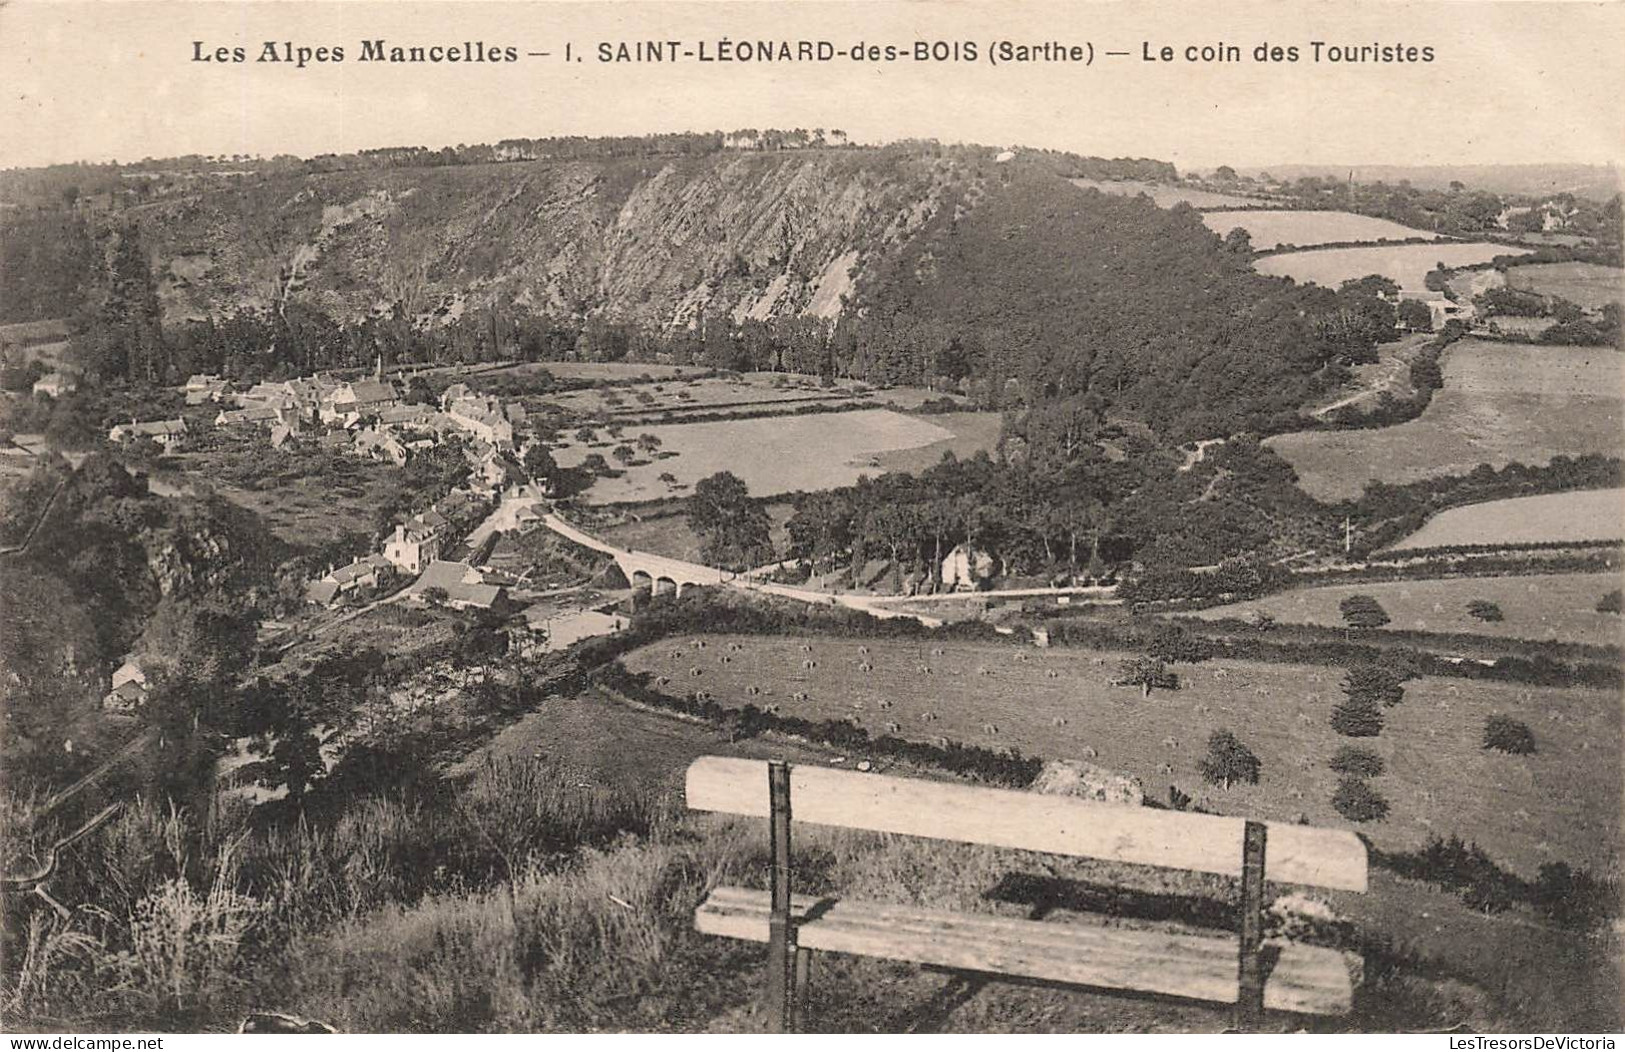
[(657, 240)]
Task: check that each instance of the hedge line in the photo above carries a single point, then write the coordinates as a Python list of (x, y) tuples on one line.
[(1008, 768)]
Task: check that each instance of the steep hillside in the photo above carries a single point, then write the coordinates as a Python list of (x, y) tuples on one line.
[(655, 240)]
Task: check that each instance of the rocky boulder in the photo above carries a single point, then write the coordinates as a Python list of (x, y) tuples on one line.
[(1088, 782)]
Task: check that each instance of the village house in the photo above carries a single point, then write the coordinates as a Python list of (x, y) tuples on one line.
[(56, 384), (359, 398), (365, 572), (205, 387), (463, 586), (129, 689), (167, 433), (482, 417), (254, 415), (416, 543), (380, 445), (965, 568)]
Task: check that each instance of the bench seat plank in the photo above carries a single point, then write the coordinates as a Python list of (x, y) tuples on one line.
[(1327, 858), (1304, 979)]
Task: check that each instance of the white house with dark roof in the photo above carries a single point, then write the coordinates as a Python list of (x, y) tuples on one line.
[(167, 433)]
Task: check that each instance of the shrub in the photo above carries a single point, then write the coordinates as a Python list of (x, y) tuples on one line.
[(1484, 610), (1610, 603), (1356, 801), (1356, 761), (1363, 611), (1357, 717), (1228, 761), (1505, 734)]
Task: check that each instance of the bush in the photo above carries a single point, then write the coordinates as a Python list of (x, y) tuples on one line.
[(1505, 734), (1357, 717), (1356, 801), (1484, 610), (1610, 603), (1356, 761), (1228, 761), (1374, 683)]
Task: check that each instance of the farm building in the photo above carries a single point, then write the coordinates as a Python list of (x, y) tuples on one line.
[(56, 384), (380, 445)]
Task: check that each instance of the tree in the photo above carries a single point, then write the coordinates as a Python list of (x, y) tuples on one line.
[(1357, 801), (648, 442), (1357, 761), (435, 595), (1505, 734), (1363, 611), (1228, 761), (623, 453), (539, 463), (1415, 315), (1239, 242), (1357, 717), (734, 530), (1146, 672), (1377, 683), (1610, 603), (1484, 610)]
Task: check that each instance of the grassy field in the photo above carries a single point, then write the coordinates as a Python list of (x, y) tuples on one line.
[(1558, 607), (970, 434), (1562, 803), (1585, 515), (1406, 264), (1500, 403), (773, 455), (1274, 229), (1591, 285), (1166, 196)]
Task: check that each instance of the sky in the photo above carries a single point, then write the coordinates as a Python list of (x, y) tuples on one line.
[(1515, 82)]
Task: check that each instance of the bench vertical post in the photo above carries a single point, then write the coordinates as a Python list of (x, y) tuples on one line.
[(1250, 972), (781, 942)]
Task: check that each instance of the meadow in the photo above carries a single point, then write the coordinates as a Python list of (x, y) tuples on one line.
[(1582, 515), (1406, 264), (1562, 803), (1167, 196), (1274, 229), (1558, 607), (1500, 403), (778, 454), (1590, 285)]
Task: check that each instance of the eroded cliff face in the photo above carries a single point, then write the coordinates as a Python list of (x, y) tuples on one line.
[(660, 241)]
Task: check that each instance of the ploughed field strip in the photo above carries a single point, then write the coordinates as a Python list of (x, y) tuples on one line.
[(1241, 970)]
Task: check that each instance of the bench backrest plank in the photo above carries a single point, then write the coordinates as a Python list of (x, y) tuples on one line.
[(1326, 858)]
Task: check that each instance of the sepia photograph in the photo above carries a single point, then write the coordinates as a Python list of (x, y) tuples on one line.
[(803, 517)]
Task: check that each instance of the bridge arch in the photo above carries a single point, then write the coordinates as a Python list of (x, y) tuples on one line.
[(641, 579), (667, 586)]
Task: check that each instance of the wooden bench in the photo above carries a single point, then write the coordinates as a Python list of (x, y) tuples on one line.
[(1249, 972)]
